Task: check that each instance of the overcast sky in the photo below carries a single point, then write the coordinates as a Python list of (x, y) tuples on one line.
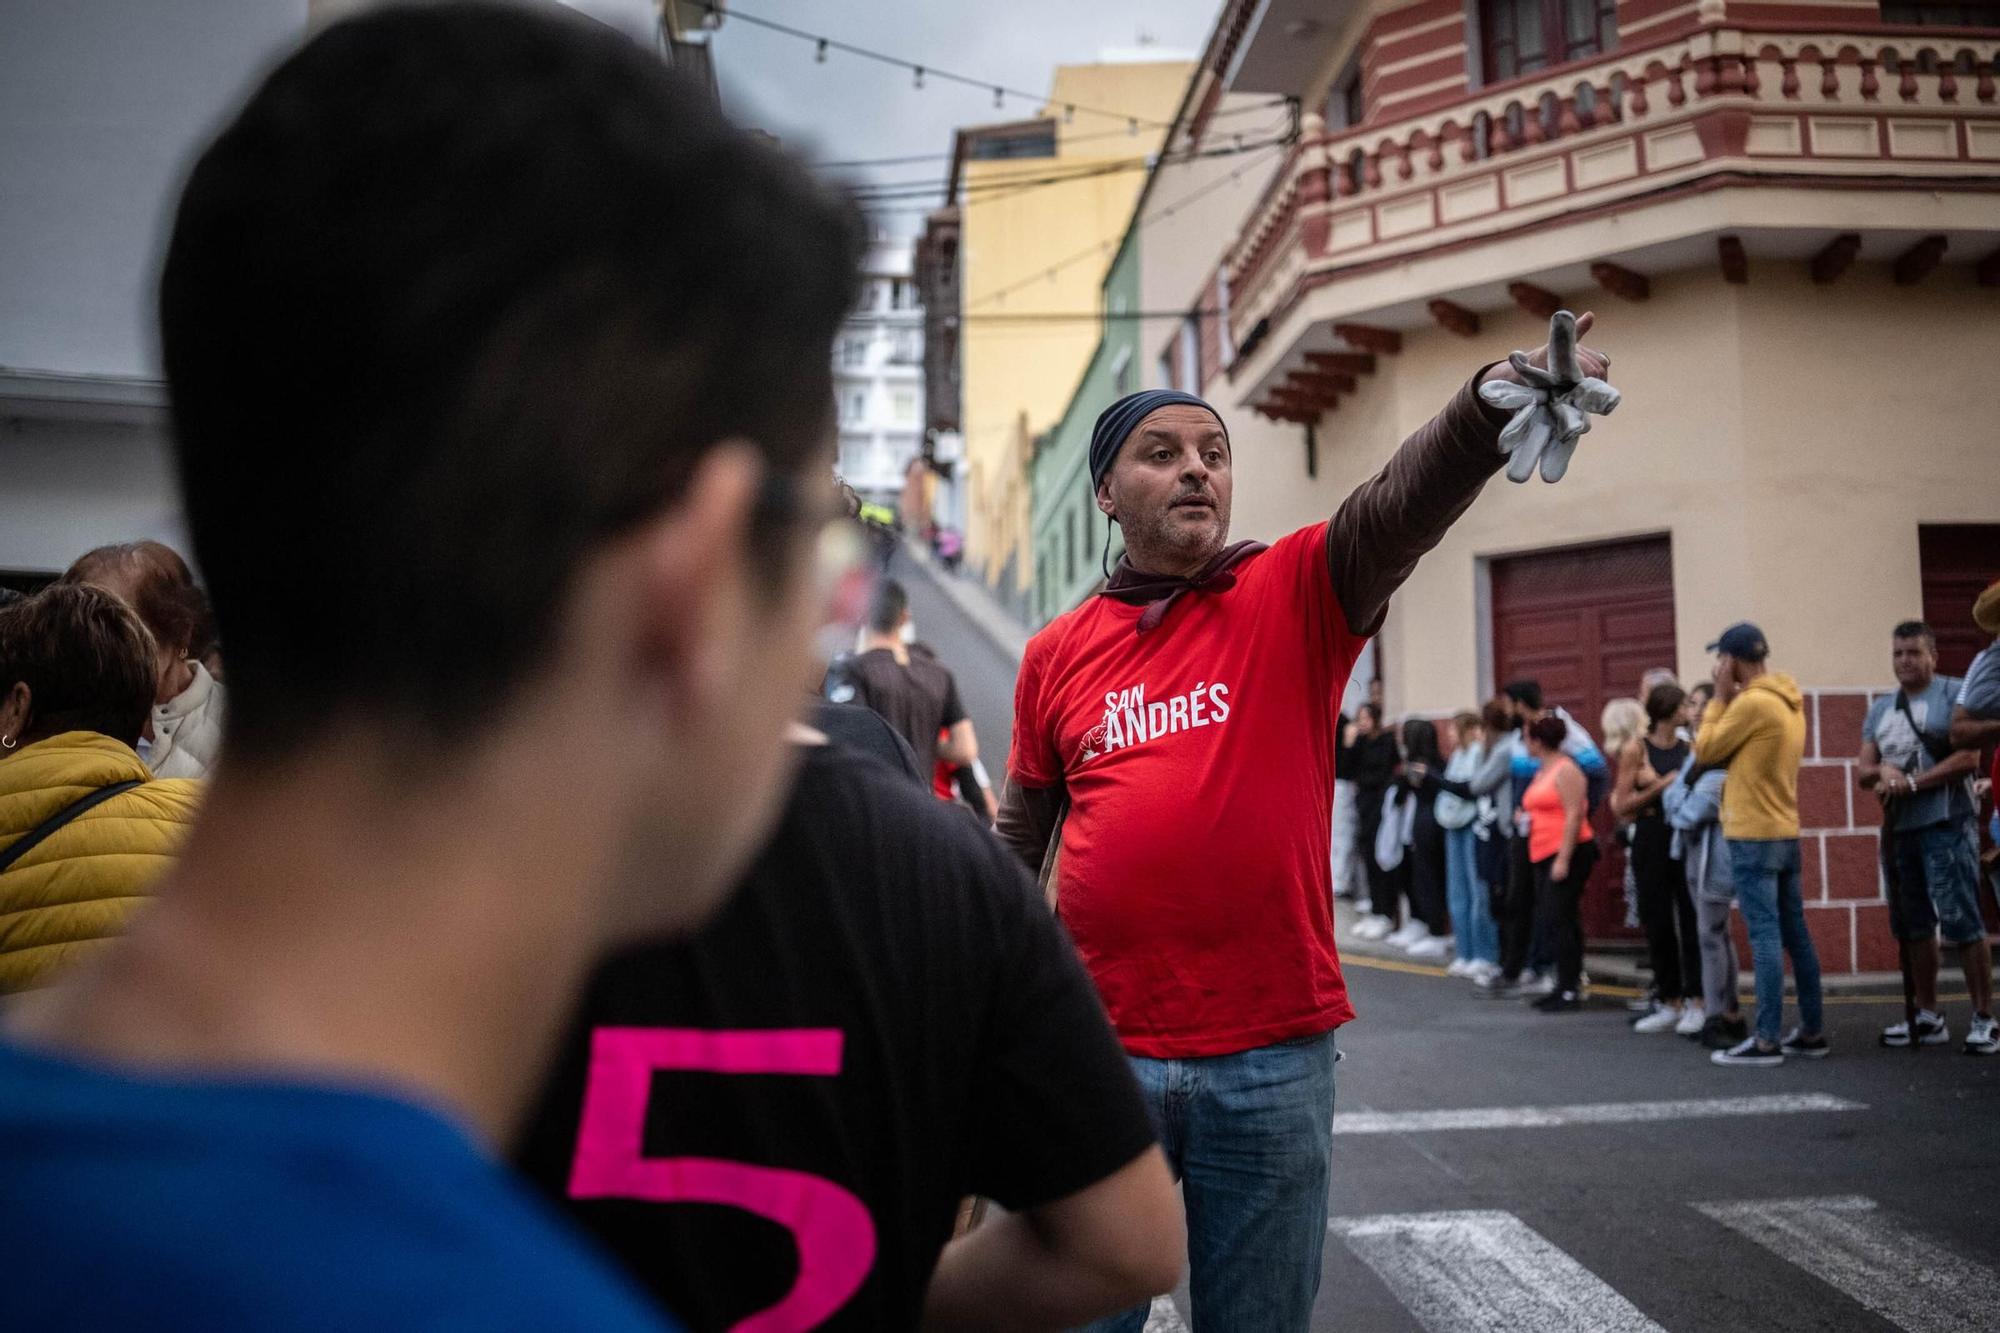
[(850, 108)]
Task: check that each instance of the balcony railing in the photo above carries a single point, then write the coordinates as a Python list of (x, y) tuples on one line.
[(1911, 101)]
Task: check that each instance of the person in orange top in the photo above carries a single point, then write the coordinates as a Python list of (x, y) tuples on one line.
[(1562, 852)]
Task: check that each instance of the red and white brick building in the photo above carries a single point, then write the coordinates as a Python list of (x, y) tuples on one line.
[(1787, 217)]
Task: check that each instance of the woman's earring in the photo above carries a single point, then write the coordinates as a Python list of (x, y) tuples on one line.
[(8, 743)]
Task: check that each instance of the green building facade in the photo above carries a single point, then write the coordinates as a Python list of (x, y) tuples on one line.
[(1069, 531)]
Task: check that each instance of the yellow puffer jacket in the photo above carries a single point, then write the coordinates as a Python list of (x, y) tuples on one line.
[(80, 885)]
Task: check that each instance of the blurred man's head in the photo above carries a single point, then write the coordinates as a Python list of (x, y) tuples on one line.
[(1525, 696), (1913, 653), (501, 389), (889, 609)]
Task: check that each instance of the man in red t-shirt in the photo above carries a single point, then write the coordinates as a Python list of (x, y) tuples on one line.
[(1180, 730)]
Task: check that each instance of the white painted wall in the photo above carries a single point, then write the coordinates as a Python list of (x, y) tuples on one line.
[(102, 105)]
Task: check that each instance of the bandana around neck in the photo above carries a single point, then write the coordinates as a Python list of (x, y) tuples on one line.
[(1158, 592)]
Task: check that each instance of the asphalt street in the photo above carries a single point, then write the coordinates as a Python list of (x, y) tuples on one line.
[(985, 672), (1857, 1192)]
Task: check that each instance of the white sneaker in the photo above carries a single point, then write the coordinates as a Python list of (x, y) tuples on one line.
[(1411, 932), (1482, 973), (1538, 983), (1692, 1017), (1373, 927), (1662, 1019), (1928, 1030), (1984, 1036), (1430, 948), (1459, 967)]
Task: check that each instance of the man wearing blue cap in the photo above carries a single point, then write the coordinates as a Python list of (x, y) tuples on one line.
[(1755, 727), (1185, 722)]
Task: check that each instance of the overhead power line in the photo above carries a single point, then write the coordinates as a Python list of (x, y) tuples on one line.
[(912, 159), (1086, 316), (919, 71), (1103, 248), (1006, 186)]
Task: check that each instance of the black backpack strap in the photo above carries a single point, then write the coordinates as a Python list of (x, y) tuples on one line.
[(1923, 737), (41, 832)]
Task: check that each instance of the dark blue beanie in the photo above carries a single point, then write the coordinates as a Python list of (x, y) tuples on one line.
[(1117, 422)]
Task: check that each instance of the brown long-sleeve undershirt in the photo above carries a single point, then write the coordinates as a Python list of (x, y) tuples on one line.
[(1373, 543)]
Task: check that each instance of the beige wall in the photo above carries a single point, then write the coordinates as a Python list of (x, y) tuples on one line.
[(1018, 378), (1789, 438)]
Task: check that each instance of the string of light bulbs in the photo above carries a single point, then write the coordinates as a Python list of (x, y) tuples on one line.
[(919, 72)]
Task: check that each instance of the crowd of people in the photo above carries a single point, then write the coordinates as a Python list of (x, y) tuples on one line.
[(1484, 858), (457, 894)]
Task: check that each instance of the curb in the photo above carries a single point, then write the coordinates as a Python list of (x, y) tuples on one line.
[(1612, 973)]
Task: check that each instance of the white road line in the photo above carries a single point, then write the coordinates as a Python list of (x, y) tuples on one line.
[(1910, 1280), (1486, 1272), (1589, 1113), (1164, 1318)]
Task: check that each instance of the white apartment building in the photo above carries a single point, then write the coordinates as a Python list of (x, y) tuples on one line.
[(878, 377)]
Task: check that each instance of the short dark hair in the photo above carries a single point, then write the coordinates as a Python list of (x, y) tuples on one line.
[(886, 608), (461, 295), (163, 589), (86, 659), (1663, 702), (1550, 730), (1498, 717), (1527, 693), (1915, 629)]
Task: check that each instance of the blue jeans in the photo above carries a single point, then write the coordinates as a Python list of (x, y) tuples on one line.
[(1471, 911), (1767, 892), (1250, 1138)]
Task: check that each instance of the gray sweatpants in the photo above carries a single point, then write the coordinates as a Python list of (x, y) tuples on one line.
[(1718, 953)]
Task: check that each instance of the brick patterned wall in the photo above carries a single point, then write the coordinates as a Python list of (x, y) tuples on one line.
[(1840, 873)]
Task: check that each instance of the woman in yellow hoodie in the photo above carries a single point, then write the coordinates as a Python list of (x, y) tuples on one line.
[(1755, 727), (84, 826)]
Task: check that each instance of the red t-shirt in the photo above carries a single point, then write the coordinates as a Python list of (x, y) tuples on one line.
[(1195, 878)]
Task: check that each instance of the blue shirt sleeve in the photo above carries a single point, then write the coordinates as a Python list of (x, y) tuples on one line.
[(1876, 712), (1980, 695)]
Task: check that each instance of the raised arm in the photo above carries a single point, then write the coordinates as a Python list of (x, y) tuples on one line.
[(1380, 531)]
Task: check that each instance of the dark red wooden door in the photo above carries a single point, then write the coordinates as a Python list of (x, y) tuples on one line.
[(1958, 560), (1587, 622)]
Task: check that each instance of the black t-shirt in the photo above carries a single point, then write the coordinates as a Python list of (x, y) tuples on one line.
[(918, 698), (945, 1038)]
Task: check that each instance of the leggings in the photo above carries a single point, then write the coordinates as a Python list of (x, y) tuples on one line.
[(1667, 911), (1561, 901), (1514, 909), (1718, 955)]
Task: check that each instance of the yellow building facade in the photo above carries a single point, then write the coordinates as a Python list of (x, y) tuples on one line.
[(1031, 248)]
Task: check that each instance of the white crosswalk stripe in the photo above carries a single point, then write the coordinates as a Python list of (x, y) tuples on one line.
[(1164, 1317), (1486, 1272), (1586, 1113), (1847, 1242)]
